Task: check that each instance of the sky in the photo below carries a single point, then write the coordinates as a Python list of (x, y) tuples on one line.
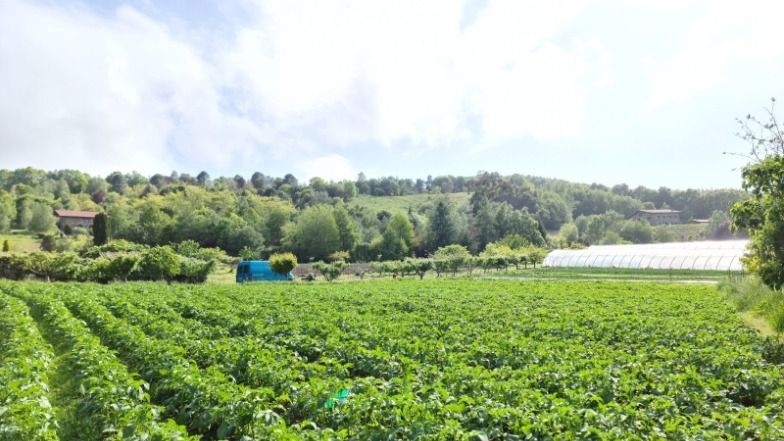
[(640, 92)]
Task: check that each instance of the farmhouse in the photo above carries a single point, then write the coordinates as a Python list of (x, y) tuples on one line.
[(658, 217), (72, 219)]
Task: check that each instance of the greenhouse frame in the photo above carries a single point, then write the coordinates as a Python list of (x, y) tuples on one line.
[(724, 255)]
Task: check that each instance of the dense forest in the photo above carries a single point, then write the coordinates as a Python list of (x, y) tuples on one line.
[(314, 219)]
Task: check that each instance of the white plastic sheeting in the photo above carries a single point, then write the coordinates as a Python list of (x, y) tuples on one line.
[(721, 255)]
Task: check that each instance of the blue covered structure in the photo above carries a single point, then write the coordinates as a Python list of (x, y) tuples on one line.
[(258, 270)]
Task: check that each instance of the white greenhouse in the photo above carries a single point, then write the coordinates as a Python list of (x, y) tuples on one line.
[(721, 255)]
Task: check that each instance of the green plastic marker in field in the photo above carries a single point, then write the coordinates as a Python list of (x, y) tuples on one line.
[(340, 398)]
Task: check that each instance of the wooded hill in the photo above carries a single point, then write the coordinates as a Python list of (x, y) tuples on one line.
[(369, 217)]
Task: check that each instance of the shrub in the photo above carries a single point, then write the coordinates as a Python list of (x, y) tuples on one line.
[(283, 263), (751, 294), (330, 271), (450, 258), (247, 253), (48, 241), (120, 267), (12, 267), (49, 266), (420, 267), (96, 270), (6, 246), (188, 248), (64, 266), (536, 255), (194, 270), (215, 254), (192, 249), (158, 263)]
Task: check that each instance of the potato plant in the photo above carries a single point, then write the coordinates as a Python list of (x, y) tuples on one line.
[(394, 359)]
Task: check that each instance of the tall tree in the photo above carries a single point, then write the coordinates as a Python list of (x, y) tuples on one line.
[(41, 218), (315, 234), (763, 213), (347, 229), (259, 182), (441, 226), (398, 238), (203, 179), (100, 230), (117, 182)]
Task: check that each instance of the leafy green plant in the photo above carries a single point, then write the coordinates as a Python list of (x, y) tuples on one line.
[(283, 263), (25, 411), (248, 253), (194, 270), (450, 258), (158, 263), (330, 271), (188, 248), (452, 358), (420, 267)]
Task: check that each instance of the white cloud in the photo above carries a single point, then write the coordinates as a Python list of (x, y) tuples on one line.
[(122, 91), (107, 93), (331, 167), (404, 71), (402, 80)]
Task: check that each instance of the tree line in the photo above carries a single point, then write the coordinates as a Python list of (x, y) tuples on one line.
[(264, 215)]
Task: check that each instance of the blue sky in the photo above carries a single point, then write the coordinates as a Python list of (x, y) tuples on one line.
[(641, 92)]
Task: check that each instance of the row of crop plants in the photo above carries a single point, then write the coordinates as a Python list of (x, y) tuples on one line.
[(513, 360), (451, 360), (25, 410), (104, 400)]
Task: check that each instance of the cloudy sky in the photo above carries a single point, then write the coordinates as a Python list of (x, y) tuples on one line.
[(642, 92)]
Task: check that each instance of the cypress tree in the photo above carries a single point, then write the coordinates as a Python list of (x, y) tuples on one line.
[(100, 230)]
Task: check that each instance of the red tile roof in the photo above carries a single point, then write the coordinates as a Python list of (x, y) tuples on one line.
[(80, 214)]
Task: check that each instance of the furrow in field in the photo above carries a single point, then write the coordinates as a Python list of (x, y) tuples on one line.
[(248, 361), (205, 400), (99, 398)]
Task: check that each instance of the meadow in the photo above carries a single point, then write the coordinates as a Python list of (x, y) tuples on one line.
[(407, 359), (401, 204)]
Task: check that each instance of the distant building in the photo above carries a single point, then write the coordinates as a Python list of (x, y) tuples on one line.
[(73, 219), (658, 217)]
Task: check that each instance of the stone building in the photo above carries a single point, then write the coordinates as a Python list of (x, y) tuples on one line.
[(67, 219), (658, 217)]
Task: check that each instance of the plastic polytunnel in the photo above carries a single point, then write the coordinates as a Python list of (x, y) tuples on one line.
[(723, 255)]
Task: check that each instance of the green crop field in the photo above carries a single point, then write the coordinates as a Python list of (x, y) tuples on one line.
[(384, 360)]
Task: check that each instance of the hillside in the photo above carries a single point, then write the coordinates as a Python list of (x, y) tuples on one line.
[(401, 204), (264, 214)]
